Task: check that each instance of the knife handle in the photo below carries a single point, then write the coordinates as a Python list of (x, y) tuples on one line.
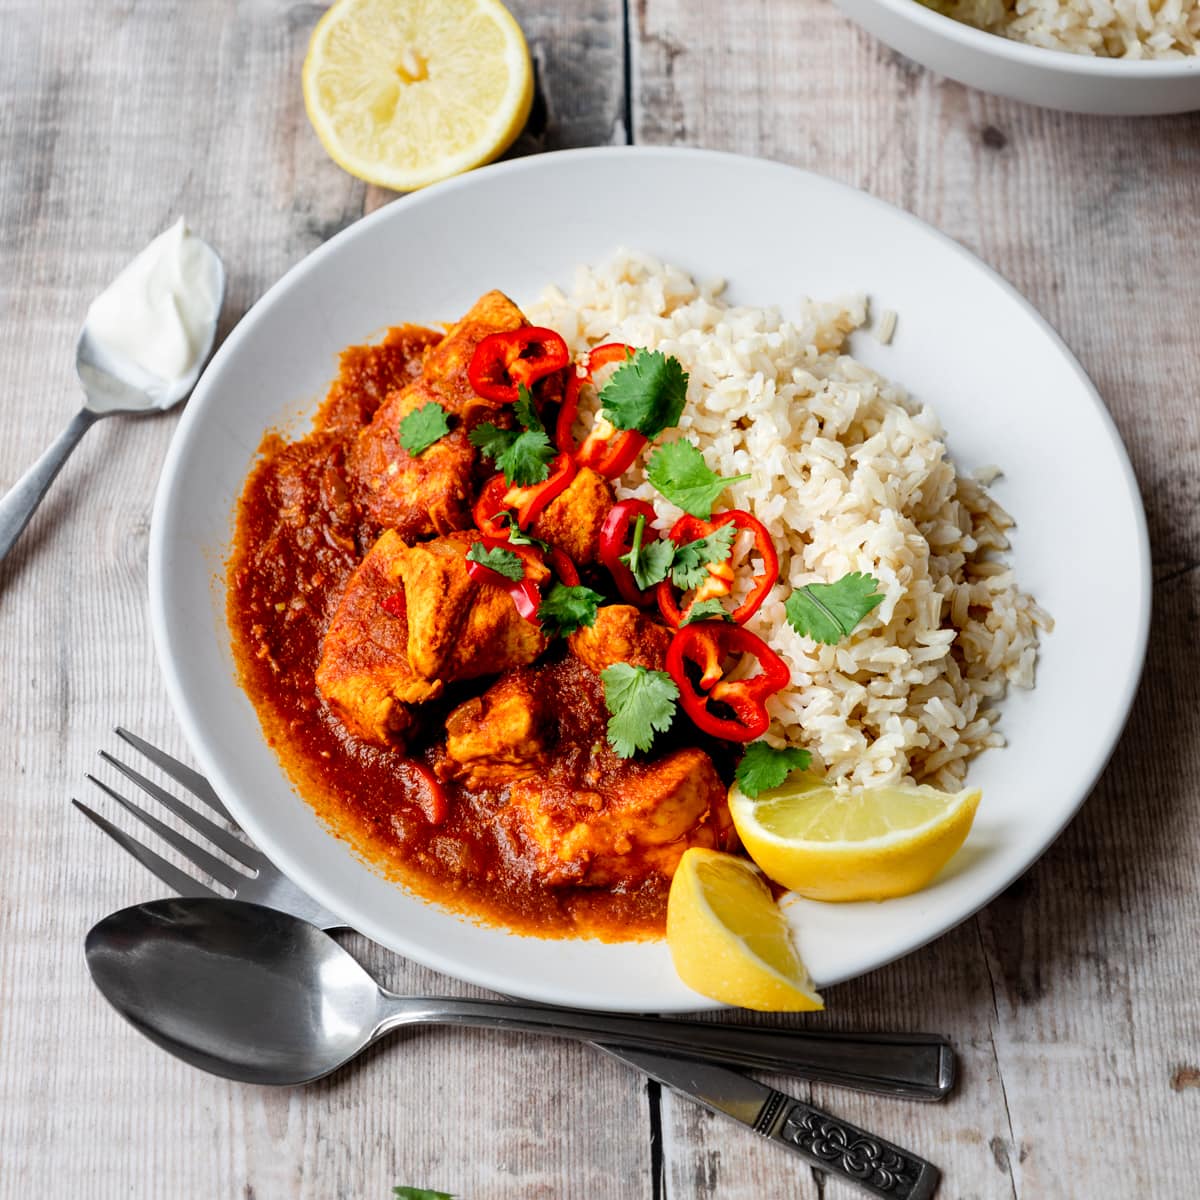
[(878, 1166)]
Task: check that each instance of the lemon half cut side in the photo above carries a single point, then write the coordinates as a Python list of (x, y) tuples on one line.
[(869, 843), (403, 93)]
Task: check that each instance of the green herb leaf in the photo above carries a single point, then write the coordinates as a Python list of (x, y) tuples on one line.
[(646, 392), (523, 455), (681, 475), (828, 612), (422, 427), (648, 562), (524, 458), (763, 767), (412, 1193), (566, 609), (707, 610), (642, 702), (690, 568), (503, 562)]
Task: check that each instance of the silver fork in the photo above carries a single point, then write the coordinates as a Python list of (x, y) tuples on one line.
[(915, 1066)]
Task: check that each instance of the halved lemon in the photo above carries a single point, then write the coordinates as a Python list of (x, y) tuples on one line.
[(404, 93), (857, 844), (728, 939)]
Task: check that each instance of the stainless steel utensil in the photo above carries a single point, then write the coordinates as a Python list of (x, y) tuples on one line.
[(105, 394), (915, 1066)]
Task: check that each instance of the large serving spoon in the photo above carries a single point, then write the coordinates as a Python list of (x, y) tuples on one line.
[(253, 994), (110, 386)]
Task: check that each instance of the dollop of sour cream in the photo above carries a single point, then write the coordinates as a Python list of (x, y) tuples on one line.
[(159, 312)]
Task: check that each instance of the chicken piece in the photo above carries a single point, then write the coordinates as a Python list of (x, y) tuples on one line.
[(573, 519), (621, 633), (417, 497), (459, 628), (431, 493), (364, 673), (637, 820), (502, 735)]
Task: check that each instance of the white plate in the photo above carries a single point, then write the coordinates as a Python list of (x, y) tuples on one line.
[(1006, 388)]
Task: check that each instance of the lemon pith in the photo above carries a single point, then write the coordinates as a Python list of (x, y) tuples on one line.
[(855, 844), (728, 939), (403, 93)]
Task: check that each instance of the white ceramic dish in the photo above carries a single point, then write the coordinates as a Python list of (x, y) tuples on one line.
[(1051, 78), (1006, 388)]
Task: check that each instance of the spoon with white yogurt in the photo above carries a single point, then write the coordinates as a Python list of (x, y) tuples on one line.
[(141, 350)]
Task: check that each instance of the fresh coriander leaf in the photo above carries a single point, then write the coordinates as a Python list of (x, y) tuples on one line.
[(523, 457), (707, 610), (648, 562), (641, 701), (566, 609), (646, 392), (525, 412), (503, 562), (412, 1193), (491, 439), (422, 427), (763, 767), (681, 475), (690, 567), (828, 612)]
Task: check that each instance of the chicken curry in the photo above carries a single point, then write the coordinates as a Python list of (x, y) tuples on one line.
[(434, 647)]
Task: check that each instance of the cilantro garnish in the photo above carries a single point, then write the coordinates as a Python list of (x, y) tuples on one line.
[(646, 392), (690, 566), (763, 767), (679, 472), (523, 455), (566, 609), (648, 562), (422, 427), (503, 562), (516, 535), (828, 612), (707, 610), (412, 1193), (641, 701)]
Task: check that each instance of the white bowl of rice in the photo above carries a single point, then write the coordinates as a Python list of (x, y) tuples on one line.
[(1106, 57)]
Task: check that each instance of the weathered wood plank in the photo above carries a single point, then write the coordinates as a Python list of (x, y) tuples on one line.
[(1069, 996)]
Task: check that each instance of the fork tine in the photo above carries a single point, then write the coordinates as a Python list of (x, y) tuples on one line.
[(177, 880), (233, 846), (221, 872), (192, 780)]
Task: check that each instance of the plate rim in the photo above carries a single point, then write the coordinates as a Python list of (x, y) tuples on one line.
[(158, 547)]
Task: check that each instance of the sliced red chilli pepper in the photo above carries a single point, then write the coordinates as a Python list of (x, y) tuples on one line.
[(524, 592), (696, 662), (563, 567), (609, 451), (497, 497), (504, 361), (435, 806), (720, 581), (616, 540)]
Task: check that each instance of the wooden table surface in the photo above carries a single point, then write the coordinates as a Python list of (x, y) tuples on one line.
[(1071, 998)]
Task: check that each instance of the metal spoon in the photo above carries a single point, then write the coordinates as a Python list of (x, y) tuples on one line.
[(256, 995), (107, 390)]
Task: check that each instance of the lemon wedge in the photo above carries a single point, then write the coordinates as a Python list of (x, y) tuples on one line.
[(857, 844), (403, 93), (728, 939)]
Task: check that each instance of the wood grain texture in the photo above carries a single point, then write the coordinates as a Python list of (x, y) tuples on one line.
[(1070, 998)]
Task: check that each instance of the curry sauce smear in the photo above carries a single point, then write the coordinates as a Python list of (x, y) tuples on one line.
[(299, 535)]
